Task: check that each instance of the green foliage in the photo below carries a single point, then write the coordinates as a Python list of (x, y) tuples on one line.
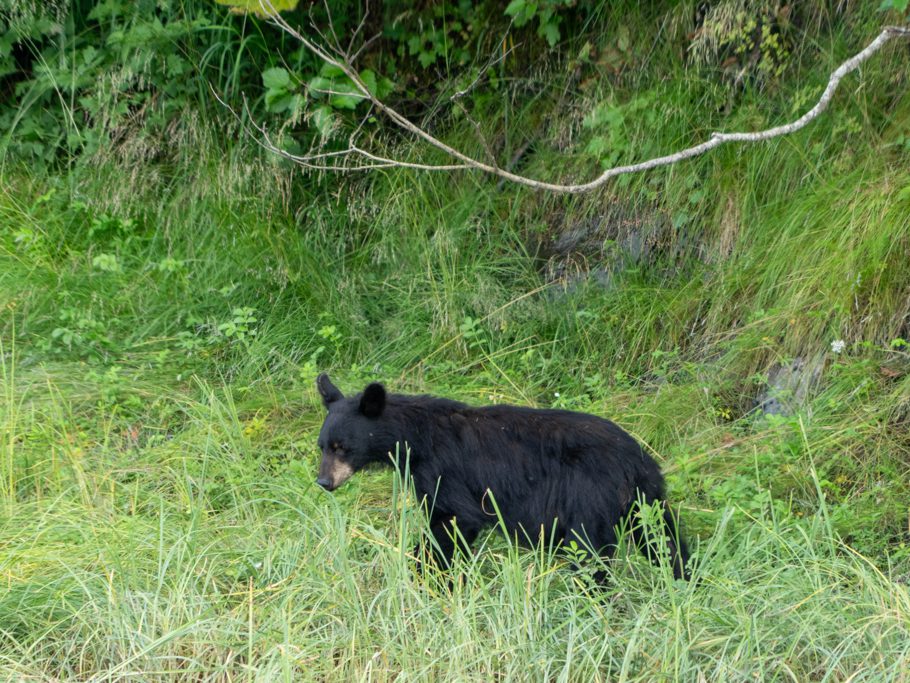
[(280, 95), (546, 12), (260, 8), (610, 124), (341, 92), (89, 76), (749, 40), (240, 325), (440, 34), (899, 5)]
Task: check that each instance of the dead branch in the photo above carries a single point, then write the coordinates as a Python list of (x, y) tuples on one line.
[(369, 160)]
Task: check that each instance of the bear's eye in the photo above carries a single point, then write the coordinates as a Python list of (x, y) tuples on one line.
[(336, 447)]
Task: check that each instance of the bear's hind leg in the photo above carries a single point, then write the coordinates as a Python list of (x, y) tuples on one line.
[(667, 540)]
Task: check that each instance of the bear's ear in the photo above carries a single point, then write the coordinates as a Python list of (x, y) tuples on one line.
[(327, 390), (372, 402)]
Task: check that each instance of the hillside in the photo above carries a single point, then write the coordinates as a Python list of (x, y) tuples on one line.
[(171, 290)]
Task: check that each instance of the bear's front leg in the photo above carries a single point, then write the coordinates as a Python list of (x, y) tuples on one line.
[(447, 536)]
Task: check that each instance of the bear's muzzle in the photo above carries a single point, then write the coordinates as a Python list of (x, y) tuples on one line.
[(333, 472)]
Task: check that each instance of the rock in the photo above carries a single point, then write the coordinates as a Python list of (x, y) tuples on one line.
[(790, 385), (597, 248)]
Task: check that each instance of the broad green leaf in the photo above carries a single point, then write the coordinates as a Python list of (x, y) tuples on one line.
[(369, 80), (521, 11), (276, 78), (379, 87), (426, 58), (384, 87), (331, 71), (319, 86), (267, 8), (515, 7), (551, 33), (277, 101), (344, 96)]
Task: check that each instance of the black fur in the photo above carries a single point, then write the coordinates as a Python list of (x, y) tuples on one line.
[(575, 476)]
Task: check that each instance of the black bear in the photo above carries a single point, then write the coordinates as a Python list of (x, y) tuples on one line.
[(569, 475)]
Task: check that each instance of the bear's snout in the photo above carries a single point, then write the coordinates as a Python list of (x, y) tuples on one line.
[(333, 472)]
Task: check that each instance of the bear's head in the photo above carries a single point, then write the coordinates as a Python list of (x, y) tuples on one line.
[(351, 436)]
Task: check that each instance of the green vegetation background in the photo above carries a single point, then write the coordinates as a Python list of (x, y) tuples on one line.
[(169, 291)]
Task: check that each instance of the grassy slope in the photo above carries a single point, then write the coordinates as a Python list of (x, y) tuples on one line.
[(165, 322)]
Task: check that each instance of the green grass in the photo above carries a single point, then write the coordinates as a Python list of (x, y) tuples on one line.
[(163, 322), (203, 551)]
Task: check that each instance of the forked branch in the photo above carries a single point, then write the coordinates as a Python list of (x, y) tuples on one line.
[(366, 160)]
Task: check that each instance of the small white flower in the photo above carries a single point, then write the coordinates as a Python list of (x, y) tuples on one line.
[(556, 394), (838, 346)]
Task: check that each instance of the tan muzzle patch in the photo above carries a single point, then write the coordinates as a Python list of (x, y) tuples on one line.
[(333, 472)]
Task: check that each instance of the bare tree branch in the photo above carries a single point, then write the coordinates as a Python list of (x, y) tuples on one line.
[(318, 161), (479, 132), (362, 48), (351, 56), (328, 13), (467, 162)]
